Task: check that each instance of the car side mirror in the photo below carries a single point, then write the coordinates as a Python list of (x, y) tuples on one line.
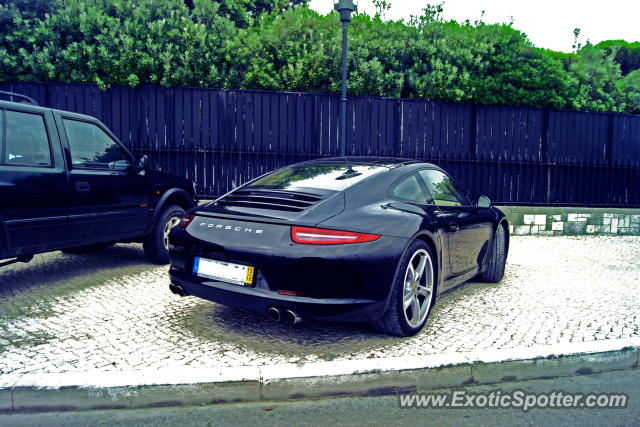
[(142, 163), (483, 202)]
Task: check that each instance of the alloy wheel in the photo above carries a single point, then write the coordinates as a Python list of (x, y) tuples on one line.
[(418, 288), (173, 221)]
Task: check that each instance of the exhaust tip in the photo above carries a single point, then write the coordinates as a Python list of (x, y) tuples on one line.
[(274, 314), (178, 290), (291, 317)]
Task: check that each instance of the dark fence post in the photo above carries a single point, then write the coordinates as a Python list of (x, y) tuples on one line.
[(544, 148)]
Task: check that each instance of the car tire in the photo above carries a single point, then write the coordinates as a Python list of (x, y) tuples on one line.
[(87, 249), (495, 269), (403, 317), (156, 244)]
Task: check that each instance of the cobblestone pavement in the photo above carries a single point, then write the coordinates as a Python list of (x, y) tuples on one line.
[(113, 311)]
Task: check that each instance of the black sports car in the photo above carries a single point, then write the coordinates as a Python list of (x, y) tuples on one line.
[(340, 239)]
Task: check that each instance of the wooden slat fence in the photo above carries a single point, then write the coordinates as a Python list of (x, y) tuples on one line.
[(222, 138)]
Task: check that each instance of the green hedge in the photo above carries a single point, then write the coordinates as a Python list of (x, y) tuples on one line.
[(269, 44)]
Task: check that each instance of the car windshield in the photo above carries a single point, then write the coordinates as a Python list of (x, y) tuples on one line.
[(324, 176)]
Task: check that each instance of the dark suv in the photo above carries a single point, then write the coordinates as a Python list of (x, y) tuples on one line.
[(66, 182)]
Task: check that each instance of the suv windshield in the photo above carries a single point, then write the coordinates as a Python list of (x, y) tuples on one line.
[(324, 176)]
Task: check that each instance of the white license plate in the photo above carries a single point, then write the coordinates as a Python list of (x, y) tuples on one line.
[(223, 271)]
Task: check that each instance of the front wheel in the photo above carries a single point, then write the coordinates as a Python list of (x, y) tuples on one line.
[(495, 269), (156, 244), (413, 293)]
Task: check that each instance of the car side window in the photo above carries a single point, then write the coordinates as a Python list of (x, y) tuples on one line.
[(409, 190), (26, 142), (443, 189), (91, 147)]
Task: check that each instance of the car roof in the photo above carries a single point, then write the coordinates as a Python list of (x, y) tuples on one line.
[(390, 162), (41, 109)]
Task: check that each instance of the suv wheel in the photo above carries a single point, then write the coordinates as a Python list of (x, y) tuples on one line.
[(156, 244)]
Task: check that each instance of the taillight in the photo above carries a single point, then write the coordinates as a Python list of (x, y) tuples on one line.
[(186, 220), (318, 236)]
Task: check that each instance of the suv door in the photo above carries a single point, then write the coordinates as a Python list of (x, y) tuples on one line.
[(469, 229), (33, 182), (109, 200)]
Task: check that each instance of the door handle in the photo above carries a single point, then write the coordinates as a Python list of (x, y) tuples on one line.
[(453, 227), (82, 187)]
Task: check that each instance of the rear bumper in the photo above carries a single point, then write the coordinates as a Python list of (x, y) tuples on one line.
[(260, 300), (333, 283)]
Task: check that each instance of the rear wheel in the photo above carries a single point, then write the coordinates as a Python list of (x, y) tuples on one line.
[(413, 293), (495, 270), (156, 244)]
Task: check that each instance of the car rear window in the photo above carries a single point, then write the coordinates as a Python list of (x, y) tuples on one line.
[(325, 176), (26, 141)]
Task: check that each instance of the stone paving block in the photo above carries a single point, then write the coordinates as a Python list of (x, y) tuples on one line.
[(123, 390), (575, 228), (373, 377), (6, 404), (540, 219), (553, 366), (75, 398)]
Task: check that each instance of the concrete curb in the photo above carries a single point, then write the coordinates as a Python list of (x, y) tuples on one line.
[(100, 390)]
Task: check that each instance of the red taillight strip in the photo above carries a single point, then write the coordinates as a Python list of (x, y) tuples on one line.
[(318, 236), (186, 220)]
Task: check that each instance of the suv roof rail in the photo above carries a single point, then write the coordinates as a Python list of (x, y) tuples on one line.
[(19, 95)]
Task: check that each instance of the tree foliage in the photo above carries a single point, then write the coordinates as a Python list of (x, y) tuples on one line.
[(283, 45)]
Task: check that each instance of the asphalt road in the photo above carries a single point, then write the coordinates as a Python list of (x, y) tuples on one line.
[(381, 410)]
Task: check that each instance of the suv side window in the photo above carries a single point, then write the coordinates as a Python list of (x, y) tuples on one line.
[(443, 189), (409, 190), (91, 147), (26, 142)]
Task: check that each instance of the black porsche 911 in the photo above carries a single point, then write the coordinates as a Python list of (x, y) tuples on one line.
[(340, 239)]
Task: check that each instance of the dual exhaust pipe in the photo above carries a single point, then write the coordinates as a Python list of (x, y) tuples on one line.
[(289, 317), (178, 290)]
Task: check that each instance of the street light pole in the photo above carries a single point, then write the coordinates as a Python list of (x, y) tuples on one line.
[(346, 8)]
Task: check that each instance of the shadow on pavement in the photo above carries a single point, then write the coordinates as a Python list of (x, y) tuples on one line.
[(61, 269), (214, 322)]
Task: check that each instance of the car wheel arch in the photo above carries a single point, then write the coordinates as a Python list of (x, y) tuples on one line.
[(430, 240), (173, 196)]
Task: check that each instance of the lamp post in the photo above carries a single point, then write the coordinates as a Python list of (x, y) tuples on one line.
[(346, 8)]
